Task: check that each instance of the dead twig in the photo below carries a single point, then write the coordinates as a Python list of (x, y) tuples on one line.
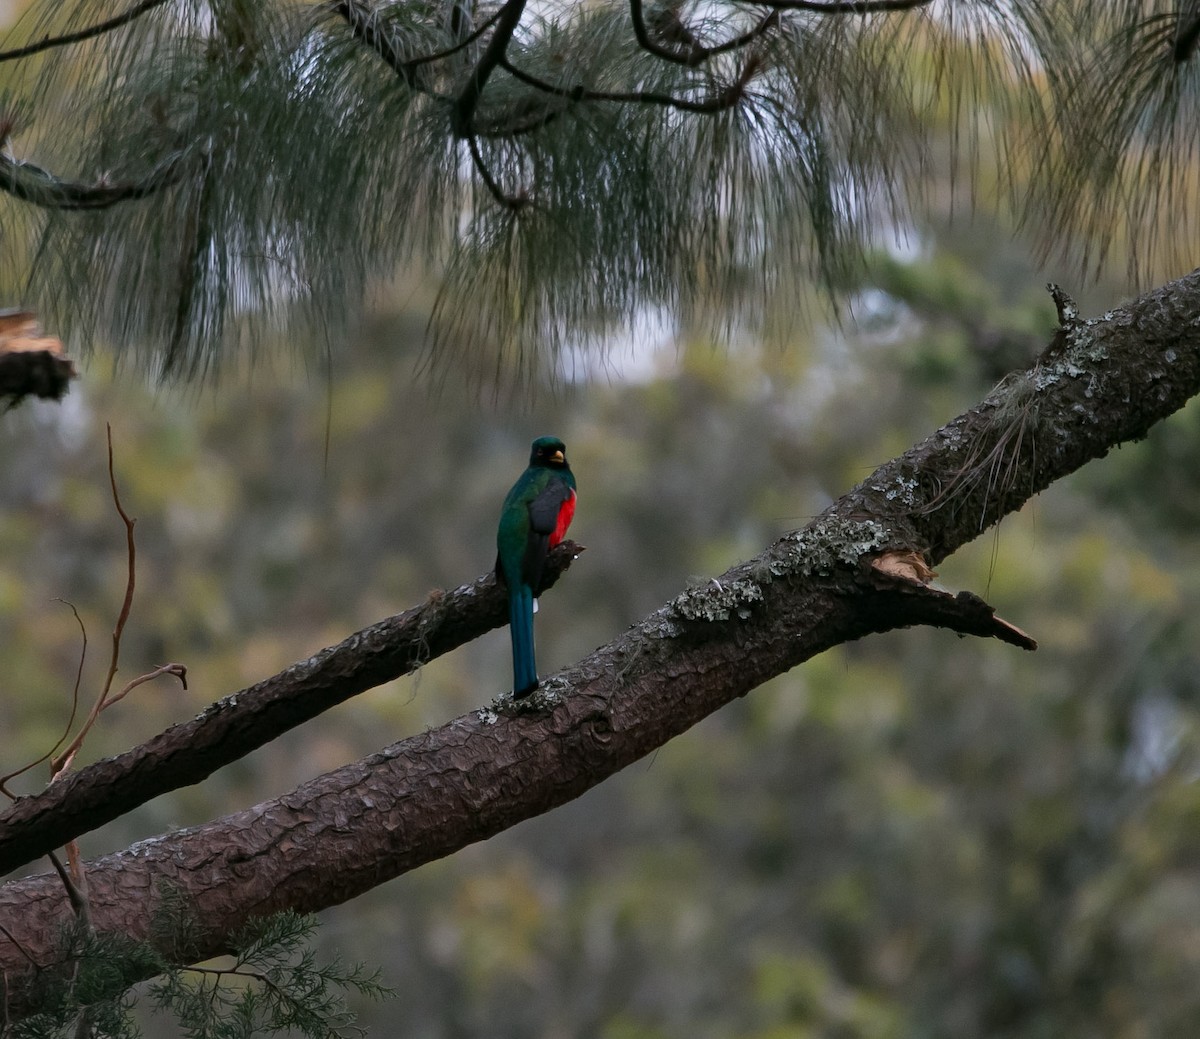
[(70, 721)]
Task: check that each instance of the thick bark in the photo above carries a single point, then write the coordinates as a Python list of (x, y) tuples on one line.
[(246, 720), (1099, 383)]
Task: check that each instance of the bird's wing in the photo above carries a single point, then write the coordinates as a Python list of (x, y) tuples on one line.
[(543, 518), (543, 510)]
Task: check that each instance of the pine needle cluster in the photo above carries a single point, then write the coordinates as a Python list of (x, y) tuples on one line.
[(191, 173), (272, 984)]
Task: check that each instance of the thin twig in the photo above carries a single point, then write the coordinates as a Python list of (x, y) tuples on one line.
[(99, 29), (238, 972), (696, 53), (510, 130), (637, 16), (178, 670), (768, 21), (512, 202), (79, 904), (60, 764), (526, 122), (131, 556), (726, 98), (364, 26), (78, 874), (462, 44), (70, 721), (74, 881), (861, 7), (19, 947)]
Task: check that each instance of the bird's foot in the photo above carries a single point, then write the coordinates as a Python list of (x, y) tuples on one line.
[(535, 699), (520, 694)]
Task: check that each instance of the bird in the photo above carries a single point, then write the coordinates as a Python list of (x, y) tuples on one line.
[(533, 519)]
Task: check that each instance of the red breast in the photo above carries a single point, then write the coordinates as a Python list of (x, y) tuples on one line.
[(566, 512)]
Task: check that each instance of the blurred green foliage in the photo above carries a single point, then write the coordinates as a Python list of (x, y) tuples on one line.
[(914, 835)]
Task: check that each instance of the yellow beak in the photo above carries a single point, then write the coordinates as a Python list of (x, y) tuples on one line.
[(558, 456)]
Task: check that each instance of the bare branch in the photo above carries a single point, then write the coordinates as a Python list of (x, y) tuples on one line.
[(177, 670), (692, 56), (462, 44), (233, 727), (693, 52), (694, 654), (719, 101), (768, 21), (70, 720), (39, 187), (859, 7), (92, 31), (76, 897), (512, 202), (60, 764), (131, 572), (364, 24)]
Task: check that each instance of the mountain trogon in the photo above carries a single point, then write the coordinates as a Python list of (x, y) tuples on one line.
[(534, 519)]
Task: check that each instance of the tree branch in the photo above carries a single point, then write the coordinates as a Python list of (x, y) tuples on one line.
[(725, 98), (1186, 38), (49, 754), (692, 56), (92, 31), (515, 203), (860, 7), (462, 44), (1099, 383), (233, 727), (364, 25), (694, 53), (35, 185), (462, 116)]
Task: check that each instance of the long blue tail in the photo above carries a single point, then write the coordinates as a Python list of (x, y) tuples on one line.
[(520, 623)]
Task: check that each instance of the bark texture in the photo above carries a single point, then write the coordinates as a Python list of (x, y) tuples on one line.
[(243, 721), (1099, 383)]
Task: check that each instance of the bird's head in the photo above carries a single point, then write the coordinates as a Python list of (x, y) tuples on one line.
[(549, 452)]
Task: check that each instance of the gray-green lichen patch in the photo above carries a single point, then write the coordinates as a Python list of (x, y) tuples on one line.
[(661, 624), (952, 436), (821, 549), (226, 703), (718, 600), (902, 489), (1079, 361), (547, 696), (1083, 345)]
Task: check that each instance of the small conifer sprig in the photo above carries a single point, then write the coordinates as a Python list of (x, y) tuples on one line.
[(272, 984)]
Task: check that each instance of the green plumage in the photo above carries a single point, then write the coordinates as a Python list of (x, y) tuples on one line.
[(533, 519)]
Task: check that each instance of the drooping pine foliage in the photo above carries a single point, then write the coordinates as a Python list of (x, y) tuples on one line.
[(188, 173), (273, 986)]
